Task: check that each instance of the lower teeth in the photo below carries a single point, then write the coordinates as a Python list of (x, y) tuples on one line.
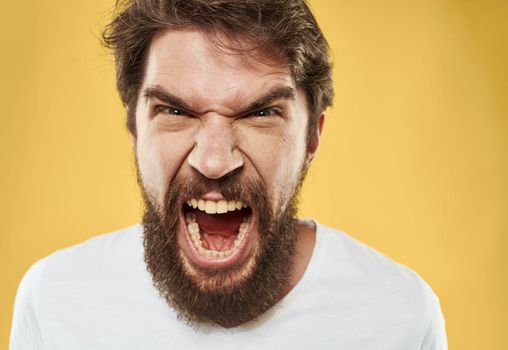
[(193, 228)]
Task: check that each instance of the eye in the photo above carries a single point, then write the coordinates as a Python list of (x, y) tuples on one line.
[(170, 110), (266, 112)]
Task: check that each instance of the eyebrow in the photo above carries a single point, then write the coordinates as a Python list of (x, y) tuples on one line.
[(276, 93), (161, 94)]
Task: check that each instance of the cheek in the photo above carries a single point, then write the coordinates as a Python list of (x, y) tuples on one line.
[(289, 156), (277, 159), (159, 160)]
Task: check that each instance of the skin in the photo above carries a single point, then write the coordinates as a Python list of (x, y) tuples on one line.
[(207, 126)]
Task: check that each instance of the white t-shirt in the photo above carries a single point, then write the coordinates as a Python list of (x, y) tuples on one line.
[(99, 295)]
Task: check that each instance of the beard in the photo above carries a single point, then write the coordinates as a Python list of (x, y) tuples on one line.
[(231, 296)]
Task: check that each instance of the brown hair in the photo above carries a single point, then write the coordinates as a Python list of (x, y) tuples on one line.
[(286, 26)]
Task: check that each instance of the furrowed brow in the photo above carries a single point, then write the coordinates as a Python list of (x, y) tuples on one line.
[(156, 92), (277, 93)]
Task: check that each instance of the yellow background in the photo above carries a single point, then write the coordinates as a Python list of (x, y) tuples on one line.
[(414, 158)]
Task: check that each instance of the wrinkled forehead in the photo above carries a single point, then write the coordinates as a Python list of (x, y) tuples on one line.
[(226, 44), (191, 63)]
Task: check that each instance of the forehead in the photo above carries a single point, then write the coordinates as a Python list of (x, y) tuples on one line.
[(193, 67)]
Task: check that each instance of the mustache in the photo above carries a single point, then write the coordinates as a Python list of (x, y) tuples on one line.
[(232, 187)]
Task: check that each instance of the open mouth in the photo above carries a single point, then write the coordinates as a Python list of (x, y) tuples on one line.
[(217, 230)]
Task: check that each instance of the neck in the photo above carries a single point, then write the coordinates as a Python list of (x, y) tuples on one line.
[(304, 247)]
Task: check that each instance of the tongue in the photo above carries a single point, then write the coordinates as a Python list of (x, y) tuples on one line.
[(226, 224)]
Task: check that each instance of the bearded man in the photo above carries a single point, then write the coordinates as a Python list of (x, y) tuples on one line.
[(225, 105)]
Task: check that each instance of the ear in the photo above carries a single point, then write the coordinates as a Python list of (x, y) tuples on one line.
[(314, 145), (133, 140)]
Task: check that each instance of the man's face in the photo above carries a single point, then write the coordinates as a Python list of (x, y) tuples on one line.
[(221, 151)]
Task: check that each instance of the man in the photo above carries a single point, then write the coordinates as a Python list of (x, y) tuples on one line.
[(225, 105)]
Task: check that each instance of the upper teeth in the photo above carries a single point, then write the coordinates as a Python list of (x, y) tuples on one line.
[(215, 207)]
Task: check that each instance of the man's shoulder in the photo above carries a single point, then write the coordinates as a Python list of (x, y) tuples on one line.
[(90, 279), (94, 254), (370, 271), (362, 257), (376, 288), (349, 285), (107, 244)]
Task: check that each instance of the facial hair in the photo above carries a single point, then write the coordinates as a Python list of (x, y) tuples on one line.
[(233, 298)]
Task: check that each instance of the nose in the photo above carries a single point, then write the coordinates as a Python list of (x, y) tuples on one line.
[(215, 153)]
